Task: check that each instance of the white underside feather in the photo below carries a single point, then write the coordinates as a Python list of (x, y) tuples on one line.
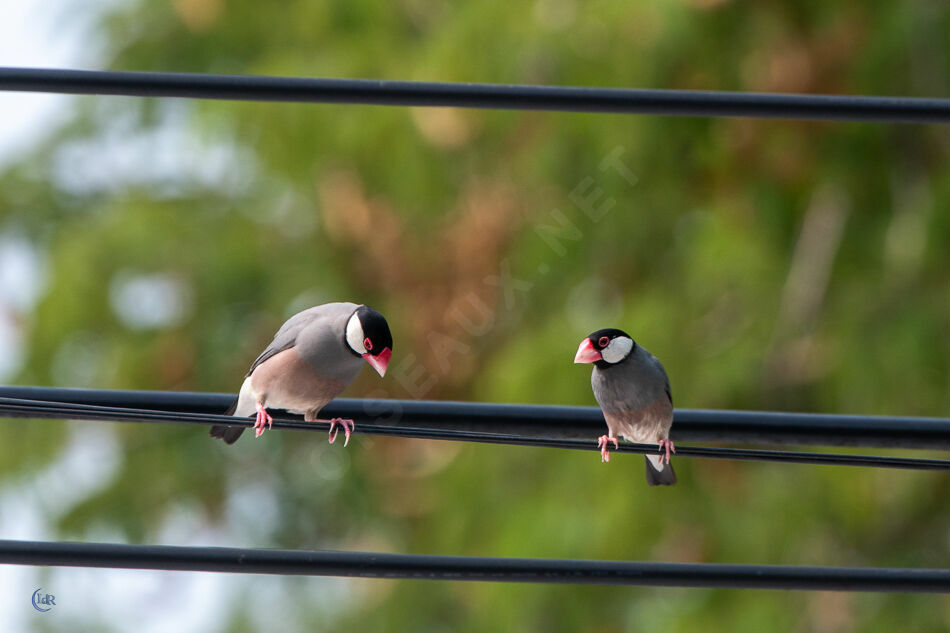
[(247, 402)]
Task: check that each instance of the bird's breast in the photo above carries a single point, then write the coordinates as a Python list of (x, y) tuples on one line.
[(648, 424), (287, 381)]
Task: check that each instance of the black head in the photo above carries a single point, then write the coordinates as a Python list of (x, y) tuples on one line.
[(367, 335), (605, 348), (377, 336)]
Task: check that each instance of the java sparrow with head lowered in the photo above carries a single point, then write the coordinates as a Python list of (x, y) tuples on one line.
[(313, 357), (633, 391)]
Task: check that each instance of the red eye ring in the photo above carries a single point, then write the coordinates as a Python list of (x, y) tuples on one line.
[(368, 344), (602, 341)]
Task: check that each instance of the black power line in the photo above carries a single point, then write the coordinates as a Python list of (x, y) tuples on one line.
[(64, 410), (469, 568), (468, 95), (691, 425)]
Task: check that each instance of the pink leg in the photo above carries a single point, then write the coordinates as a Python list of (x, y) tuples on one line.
[(667, 446), (263, 419), (348, 426), (602, 442)]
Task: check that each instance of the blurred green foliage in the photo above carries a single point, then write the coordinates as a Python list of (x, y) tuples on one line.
[(768, 264)]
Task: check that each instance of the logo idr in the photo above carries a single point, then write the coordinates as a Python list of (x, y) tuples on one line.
[(43, 602)]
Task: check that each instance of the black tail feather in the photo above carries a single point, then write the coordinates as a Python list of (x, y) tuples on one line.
[(665, 477), (229, 434)]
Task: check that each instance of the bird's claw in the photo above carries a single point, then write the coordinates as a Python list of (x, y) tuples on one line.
[(348, 426), (666, 447), (602, 442), (263, 420)]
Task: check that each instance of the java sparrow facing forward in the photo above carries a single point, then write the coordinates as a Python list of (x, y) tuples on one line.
[(633, 391), (313, 357)]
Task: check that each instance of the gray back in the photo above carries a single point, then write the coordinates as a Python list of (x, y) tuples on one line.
[(318, 335)]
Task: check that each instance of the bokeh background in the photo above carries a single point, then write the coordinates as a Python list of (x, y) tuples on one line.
[(158, 244)]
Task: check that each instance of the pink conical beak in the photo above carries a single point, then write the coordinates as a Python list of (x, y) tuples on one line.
[(379, 362), (586, 353)]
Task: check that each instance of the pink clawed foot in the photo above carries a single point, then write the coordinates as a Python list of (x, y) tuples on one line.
[(602, 442), (348, 427), (667, 446), (263, 419)]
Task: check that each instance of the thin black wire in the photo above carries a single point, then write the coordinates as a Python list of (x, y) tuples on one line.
[(468, 95), (61, 410), (559, 422), (469, 568)]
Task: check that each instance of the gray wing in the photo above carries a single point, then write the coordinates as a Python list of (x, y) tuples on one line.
[(661, 371), (666, 379), (286, 336), (654, 367)]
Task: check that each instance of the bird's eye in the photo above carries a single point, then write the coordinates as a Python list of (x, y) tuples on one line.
[(368, 344), (602, 341)]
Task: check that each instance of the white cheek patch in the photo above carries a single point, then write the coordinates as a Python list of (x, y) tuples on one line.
[(354, 335), (617, 350)]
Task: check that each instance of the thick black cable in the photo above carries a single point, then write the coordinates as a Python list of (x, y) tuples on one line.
[(690, 425), (468, 95), (60, 410), (469, 568)]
